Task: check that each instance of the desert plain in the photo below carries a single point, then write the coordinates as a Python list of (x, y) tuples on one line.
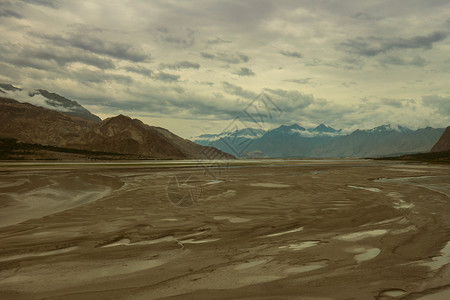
[(248, 229)]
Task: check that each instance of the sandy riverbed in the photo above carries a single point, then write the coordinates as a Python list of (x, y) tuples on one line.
[(294, 230)]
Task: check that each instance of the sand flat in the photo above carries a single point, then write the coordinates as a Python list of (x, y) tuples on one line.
[(307, 233)]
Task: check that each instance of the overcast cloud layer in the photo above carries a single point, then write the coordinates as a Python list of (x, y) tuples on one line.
[(195, 66)]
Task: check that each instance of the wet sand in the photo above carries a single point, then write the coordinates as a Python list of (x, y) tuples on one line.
[(294, 229)]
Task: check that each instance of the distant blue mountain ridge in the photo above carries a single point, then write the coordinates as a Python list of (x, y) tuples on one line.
[(322, 141)]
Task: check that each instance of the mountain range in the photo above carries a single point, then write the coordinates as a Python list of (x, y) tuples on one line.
[(61, 122), (323, 141), (50, 119)]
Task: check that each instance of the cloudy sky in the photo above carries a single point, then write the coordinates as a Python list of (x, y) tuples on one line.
[(195, 66)]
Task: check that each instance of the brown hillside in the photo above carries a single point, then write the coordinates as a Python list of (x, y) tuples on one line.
[(444, 142), (120, 134)]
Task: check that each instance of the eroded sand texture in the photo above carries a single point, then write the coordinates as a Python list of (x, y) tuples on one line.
[(297, 230)]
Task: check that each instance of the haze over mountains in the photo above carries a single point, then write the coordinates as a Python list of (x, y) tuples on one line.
[(323, 141)]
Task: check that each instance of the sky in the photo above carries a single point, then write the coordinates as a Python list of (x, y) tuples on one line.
[(206, 66)]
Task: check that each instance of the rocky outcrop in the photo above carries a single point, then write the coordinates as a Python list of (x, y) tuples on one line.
[(444, 142)]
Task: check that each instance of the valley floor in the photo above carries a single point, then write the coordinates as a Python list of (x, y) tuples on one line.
[(270, 229)]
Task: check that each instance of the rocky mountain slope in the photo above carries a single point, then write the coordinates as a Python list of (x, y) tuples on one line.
[(46, 99), (32, 124), (444, 142), (67, 106)]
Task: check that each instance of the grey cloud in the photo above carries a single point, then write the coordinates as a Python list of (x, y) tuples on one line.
[(291, 54), (218, 40), (243, 57), (437, 103), (290, 101), (165, 102), (139, 70), (180, 65), (207, 55), (27, 62), (113, 49), (399, 61), (237, 90), (349, 62), (384, 104), (83, 28), (245, 72), (88, 76), (348, 84), (373, 46), (183, 39), (365, 17), (41, 58), (81, 39), (300, 80), (7, 13), (48, 3), (162, 76), (66, 57), (231, 58), (392, 102), (243, 14)]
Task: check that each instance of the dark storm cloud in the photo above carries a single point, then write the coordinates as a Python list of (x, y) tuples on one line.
[(85, 40), (167, 77), (7, 13), (373, 46), (438, 104), (399, 61), (291, 54), (245, 72), (180, 65), (237, 90), (139, 70), (41, 58), (231, 58)]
